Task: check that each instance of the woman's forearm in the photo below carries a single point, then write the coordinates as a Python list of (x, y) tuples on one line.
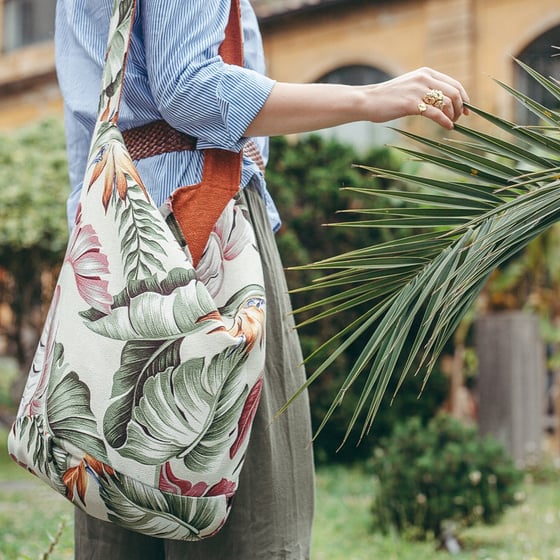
[(292, 108)]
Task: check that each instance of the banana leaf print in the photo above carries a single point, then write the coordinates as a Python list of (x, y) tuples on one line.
[(155, 310), (147, 510), (145, 383), (71, 420), (153, 390), (189, 412), (30, 446), (141, 360), (68, 418)]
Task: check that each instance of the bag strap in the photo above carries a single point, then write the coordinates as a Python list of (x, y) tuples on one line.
[(196, 208)]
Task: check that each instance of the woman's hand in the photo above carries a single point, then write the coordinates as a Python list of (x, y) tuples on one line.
[(412, 94)]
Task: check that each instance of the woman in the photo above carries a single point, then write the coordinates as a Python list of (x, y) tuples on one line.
[(175, 73)]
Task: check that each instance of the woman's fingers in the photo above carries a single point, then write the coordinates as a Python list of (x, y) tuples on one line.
[(437, 115), (454, 103), (445, 95), (440, 105), (456, 85)]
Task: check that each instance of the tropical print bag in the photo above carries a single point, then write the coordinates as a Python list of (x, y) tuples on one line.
[(140, 400)]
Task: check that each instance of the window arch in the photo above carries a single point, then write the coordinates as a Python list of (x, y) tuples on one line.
[(539, 55), (355, 75)]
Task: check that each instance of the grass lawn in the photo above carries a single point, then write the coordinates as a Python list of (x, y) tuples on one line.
[(343, 526), (31, 516)]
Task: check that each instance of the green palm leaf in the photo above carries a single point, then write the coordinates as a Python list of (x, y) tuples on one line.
[(419, 288)]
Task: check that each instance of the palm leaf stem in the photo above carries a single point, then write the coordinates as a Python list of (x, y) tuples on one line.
[(474, 191), (551, 85), (502, 148), (525, 134)]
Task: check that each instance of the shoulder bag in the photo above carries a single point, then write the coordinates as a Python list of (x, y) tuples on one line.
[(141, 396)]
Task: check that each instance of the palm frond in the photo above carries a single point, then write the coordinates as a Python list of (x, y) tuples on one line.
[(505, 193)]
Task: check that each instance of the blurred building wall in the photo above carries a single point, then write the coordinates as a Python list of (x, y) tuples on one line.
[(474, 40)]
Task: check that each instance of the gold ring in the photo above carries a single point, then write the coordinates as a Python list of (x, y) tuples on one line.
[(434, 97), (422, 107)]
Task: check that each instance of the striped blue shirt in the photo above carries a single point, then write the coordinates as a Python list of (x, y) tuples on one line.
[(173, 72)]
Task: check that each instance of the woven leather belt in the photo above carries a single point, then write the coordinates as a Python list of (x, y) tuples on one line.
[(156, 138)]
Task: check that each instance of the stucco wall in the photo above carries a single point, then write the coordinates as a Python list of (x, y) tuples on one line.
[(305, 48), (472, 39)]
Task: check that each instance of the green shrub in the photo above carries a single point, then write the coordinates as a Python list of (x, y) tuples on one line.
[(441, 474), (33, 230)]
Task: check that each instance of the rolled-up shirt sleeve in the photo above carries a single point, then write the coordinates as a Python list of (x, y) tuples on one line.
[(194, 90)]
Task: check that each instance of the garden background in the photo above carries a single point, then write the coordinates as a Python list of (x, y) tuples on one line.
[(499, 499)]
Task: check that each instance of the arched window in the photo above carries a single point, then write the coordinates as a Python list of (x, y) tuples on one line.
[(361, 135), (539, 55), (355, 75), (26, 22)]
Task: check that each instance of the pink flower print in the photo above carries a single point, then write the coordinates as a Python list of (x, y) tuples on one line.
[(234, 232), (89, 265), (168, 482), (230, 236), (223, 488), (247, 417)]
